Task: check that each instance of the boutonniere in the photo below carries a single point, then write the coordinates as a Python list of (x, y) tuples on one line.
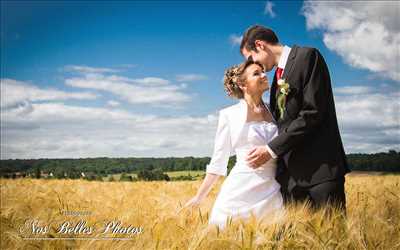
[(282, 95)]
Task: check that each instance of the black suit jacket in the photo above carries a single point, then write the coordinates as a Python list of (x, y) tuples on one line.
[(309, 145)]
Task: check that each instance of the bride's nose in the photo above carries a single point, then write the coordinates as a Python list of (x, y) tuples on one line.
[(264, 75)]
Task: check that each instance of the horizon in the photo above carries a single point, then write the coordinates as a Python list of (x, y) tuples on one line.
[(126, 157)]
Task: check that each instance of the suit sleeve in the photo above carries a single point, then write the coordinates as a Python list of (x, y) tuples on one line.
[(222, 148), (315, 101)]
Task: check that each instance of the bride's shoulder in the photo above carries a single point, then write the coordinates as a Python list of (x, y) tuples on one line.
[(229, 109)]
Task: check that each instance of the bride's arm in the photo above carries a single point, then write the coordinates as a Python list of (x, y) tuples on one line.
[(218, 165), (203, 191)]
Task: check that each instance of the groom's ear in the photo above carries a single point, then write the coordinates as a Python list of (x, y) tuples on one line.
[(259, 44)]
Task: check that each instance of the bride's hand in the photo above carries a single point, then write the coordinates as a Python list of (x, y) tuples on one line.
[(192, 203)]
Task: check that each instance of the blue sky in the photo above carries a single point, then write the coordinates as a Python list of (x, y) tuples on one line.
[(163, 63)]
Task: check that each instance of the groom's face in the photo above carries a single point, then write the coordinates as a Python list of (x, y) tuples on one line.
[(263, 55)]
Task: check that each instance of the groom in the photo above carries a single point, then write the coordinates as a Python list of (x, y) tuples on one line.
[(311, 159)]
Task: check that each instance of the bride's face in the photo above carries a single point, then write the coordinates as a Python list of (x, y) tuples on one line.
[(255, 80)]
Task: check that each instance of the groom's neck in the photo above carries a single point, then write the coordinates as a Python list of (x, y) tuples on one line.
[(277, 52)]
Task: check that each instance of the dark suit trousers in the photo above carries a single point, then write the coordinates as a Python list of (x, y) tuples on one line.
[(319, 195)]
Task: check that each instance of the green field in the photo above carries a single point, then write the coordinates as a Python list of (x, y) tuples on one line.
[(198, 173), (195, 173)]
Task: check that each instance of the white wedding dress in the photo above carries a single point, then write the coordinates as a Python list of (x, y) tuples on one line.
[(245, 190)]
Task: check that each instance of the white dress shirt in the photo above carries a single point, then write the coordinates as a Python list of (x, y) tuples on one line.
[(281, 64), (284, 57)]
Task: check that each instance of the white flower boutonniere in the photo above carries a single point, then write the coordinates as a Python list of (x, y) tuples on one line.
[(282, 95)]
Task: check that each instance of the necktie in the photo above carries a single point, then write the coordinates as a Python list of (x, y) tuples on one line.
[(279, 72)]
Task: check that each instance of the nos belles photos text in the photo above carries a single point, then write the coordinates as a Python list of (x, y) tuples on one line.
[(81, 227)]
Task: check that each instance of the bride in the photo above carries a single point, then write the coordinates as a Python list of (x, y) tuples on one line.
[(242, 127)]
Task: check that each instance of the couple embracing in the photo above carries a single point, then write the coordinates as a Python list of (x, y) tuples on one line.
[(287, 151)]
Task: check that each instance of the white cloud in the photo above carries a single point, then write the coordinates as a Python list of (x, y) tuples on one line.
[(87, 70), (150, 90), (35, 124), (150, 81), (235, 39), (56, 130), (268, 9), (354, 90), (112, 103), (190, 77), (369, 118), (365, 34), (14, 93)]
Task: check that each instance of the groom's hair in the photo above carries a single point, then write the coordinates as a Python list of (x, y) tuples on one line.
[(257, 32)]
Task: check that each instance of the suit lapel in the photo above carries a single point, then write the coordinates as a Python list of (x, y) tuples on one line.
[(272, 98), (286, 72)]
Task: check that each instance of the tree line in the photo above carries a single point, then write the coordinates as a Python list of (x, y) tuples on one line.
[(148, 168)]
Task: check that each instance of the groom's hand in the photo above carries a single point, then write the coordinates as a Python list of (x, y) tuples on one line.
[(258, 156)]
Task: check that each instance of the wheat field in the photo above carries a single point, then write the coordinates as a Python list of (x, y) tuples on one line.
[(150, 210)]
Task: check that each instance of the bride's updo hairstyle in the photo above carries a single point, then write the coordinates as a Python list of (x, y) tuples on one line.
[(234, 78)]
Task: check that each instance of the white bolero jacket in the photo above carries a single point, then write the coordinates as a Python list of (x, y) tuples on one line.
[(230, 124)]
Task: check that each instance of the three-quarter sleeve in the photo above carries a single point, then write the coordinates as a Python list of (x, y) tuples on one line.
[(222, 148)]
